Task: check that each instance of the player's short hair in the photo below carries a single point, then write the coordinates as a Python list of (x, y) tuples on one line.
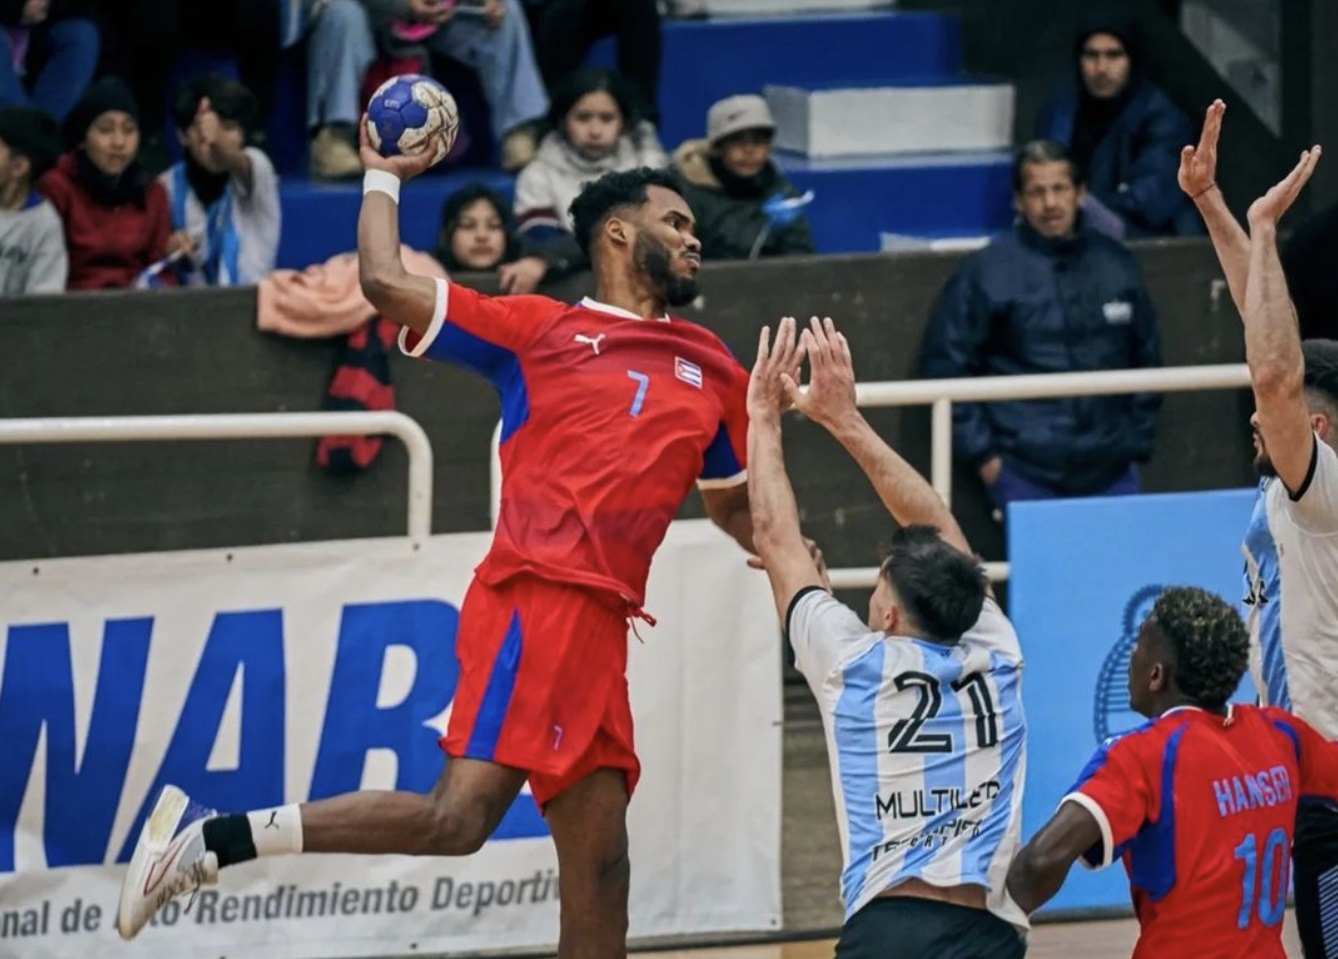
[(1321, 370), (601, 198), (941, 588), (1208, 639), (1042, 151)]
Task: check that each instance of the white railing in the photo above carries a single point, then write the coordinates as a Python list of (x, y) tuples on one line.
[(941, 394), (221, 426)]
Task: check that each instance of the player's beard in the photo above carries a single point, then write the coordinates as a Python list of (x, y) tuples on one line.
[(652, 258)]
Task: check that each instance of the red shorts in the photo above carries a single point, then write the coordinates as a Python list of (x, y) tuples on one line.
[(543, 684)]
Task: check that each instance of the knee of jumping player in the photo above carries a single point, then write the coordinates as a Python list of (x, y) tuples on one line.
[(458, 829)]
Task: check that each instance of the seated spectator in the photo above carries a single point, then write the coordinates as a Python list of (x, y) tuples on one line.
[(115, 217), (596, 130), (1050, 296), (32, 243), (224, 195), (735, 188), (490, 37), (1123, 133), (144, 38), (48, 52), (477, 232), (564, 31)]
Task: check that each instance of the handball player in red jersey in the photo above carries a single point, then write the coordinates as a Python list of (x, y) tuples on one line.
[(611, 412)]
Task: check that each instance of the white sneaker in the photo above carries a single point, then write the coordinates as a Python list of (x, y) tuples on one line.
[(169, 861)]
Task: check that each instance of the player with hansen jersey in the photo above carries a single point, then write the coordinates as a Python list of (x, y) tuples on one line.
[(1291, 544), (1199, 803), (922, 706)]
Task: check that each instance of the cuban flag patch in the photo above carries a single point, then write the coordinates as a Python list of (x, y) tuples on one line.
[(688, 372)]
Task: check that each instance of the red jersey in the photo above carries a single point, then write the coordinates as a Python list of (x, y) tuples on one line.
[(607, 422), (1201, 809)]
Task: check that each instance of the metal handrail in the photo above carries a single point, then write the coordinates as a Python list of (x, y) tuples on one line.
[(941, 394), (220, 426)]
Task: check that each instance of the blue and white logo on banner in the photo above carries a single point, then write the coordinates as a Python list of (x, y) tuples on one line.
[(1083, 576)]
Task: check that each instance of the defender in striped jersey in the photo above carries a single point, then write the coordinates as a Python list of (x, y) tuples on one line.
[(922, 707)]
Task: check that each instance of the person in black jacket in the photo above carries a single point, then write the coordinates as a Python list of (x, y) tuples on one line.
[(48, 51), (1051, 296), (1123, 133)]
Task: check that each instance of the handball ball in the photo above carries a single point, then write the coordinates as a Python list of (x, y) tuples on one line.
[(410, 114)]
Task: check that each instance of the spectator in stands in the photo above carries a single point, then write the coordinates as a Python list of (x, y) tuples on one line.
[(145, 38), (224, 195), (32, 243), (490, 37), (596, 130), (477, 231), (564, 31), (1123, 133), (735, 188), (1050, 296), (1310, 259), (116, 218), (48, 52)]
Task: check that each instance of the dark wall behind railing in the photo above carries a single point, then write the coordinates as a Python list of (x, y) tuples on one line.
[(199, 352)]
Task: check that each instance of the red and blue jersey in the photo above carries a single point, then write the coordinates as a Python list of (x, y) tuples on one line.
[(1201, 807), (607, 422)]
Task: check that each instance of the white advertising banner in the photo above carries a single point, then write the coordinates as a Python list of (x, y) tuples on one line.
[(257, 676)]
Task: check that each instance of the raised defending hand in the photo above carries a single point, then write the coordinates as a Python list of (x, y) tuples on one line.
[(1269, 208), (830, 397), (405, 167), (776, 365), (1198, 165)]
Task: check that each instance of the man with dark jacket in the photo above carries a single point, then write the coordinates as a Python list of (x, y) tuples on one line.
[(1124, 135), (735, 189), (1051, 296)]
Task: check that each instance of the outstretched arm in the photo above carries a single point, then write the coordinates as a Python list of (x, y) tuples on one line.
[(1273, 339), (776, 536), (396, 294), (830, 401), (1040, 868), (1198, 178)]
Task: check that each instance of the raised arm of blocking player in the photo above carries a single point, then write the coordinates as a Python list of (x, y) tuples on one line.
[(830, 401), (1198, 178), (1273, 338)]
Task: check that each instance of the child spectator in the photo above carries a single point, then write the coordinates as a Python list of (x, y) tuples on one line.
[(477, 232), (32, 243), (735, 188), (60, 40), (116, 219), (223, 194), (596, 130)]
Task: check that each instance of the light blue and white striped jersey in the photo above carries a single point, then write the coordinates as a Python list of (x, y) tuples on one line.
[(927, 746), (1291, 582)]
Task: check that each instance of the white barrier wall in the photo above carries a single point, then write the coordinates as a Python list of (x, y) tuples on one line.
[(264, 675)]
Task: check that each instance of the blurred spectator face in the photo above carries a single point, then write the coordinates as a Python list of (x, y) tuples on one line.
[(34, 12), (1049, 199), (479, 242), (746, 153), (112, 142), (594, 125), (210, 129), (1105, 66)]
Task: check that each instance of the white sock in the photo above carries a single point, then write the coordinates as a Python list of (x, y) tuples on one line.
[(278, 831)]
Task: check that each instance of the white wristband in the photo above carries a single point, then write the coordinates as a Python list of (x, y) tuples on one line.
[(382, 182)]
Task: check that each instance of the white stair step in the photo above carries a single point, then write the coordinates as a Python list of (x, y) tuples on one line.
[(872, 120), (781, 8)]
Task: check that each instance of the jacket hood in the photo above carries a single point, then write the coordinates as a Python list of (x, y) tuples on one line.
[(693, 160)]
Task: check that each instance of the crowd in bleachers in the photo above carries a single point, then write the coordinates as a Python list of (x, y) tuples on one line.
[(90, 197)]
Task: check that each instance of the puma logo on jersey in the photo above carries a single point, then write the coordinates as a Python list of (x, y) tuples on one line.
[(592, 341)]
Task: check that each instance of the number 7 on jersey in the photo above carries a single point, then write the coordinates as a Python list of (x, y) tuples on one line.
[(643, 382)]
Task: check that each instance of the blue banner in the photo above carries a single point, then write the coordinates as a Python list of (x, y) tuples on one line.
[(1084, 574)]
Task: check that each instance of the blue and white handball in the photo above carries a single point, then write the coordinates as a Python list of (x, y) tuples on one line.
[(412, 113)]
